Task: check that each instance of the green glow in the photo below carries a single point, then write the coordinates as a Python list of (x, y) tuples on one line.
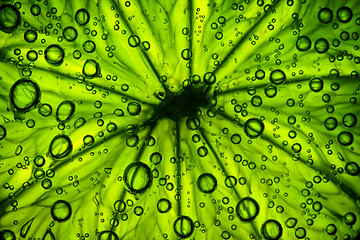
[(184, 119)]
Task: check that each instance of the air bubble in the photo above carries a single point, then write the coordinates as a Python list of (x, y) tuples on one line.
[(60, 147), (82, 16), (349, 120), (193, 123), (35, 10), (30, 36), (352, 168), (303, 43), (321, 45), (254, 127), (107, 235), (247, 209), (260, 74), (70, 34), (207, 183), (2, 132), (186, 54), (209, 78), (316, 84), (54, 55), (134, 41), (271, 229), (10, 18), (183, 227), (134, 108), (345, 138), (325, 15), (89, 46), (65, 111), (61, 211), (91, 69), (24, 94), (270, 91), (277, 77), (344, 14), (164, 205), (138, 177), (7, 235)]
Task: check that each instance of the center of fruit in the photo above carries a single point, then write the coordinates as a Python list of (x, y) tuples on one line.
[(178, 105)]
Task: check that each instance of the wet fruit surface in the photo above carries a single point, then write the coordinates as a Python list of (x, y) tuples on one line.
[(179, 120)]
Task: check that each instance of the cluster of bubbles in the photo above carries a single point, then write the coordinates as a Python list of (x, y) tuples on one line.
[(204, 124)]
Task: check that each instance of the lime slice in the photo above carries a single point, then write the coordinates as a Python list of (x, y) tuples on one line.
[(179, 119)]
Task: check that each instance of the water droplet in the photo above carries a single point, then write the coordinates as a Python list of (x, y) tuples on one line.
[(88, 140), (317, 206), (145, 45), (202, 151), (132, 140), (79, 122), (331, 229), (260, 74), (270, 91), (235, 138), (35, 10), (330, 123), (32, 55), (18, 150)]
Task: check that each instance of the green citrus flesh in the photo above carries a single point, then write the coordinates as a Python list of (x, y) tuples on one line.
[(181, 119)]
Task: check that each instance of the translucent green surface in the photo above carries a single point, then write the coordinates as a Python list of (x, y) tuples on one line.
[(162, 119)]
